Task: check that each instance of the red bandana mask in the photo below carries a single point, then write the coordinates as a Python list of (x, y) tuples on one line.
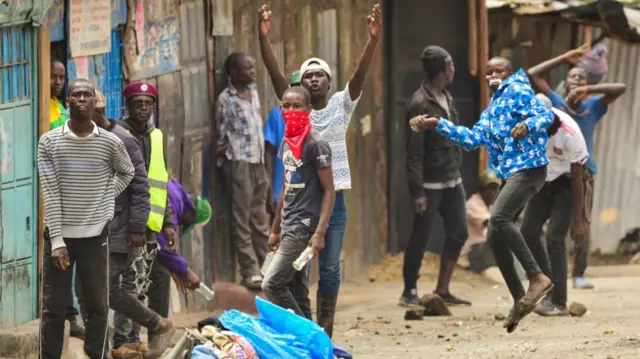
[(297, 127)]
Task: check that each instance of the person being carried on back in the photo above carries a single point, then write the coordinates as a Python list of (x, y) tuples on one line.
[(305, 205)]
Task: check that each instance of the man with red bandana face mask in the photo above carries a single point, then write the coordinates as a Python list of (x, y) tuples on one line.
[(305, 206)]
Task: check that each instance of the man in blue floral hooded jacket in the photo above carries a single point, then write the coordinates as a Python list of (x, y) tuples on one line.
[(513, 128)]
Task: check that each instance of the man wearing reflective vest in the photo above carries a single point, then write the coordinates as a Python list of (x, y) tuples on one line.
[(140, 100)]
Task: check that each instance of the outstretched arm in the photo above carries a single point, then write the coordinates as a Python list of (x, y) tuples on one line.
[(356, 82), (538, 72), (278, 79), (463, 137)]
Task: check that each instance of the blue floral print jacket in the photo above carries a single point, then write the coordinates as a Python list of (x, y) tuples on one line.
[(513, 102)]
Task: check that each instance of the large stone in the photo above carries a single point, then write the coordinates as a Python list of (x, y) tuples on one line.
[(434, 306), (577, 309)]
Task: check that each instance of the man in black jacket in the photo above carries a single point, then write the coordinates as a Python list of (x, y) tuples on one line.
[(126, 234), (434, 179)]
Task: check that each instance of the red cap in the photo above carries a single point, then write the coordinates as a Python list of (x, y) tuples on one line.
[(140, 88)]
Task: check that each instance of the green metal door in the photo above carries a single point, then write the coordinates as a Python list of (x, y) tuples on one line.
[(18, 134)]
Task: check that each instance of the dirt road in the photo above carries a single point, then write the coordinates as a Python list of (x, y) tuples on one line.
[(371, 325)]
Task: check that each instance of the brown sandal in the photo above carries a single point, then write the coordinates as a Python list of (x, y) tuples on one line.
[(528, 303)]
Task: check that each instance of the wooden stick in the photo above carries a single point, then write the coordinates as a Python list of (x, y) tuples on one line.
[(483, 57), (473, 37)]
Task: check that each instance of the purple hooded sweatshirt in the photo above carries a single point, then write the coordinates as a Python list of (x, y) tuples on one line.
[(180, 203)]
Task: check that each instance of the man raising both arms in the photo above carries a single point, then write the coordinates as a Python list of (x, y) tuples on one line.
[(330, 117)]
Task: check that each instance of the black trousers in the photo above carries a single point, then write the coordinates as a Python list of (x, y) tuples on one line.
[(450, 204), (91, 255), (504, 237), (554, 203)]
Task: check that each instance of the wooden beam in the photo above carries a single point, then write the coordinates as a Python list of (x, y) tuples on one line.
[(473, 36), (44, 98), (483, 57)]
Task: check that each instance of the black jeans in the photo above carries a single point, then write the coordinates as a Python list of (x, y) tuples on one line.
[(283, 285), (123, 301), (503, 235), (91, 255), (554, 203), (450, 204)]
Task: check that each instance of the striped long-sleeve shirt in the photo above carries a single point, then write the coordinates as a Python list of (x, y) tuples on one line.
[(81, 177)]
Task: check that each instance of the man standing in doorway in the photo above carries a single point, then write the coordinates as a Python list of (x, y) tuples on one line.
[(330, 117), (240, 126), (82, 169), (127, 234), (587, 111), (434, 179), (58, 116), (140, 100)]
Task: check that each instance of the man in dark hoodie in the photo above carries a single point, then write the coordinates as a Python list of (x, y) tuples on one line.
[(434, 179), (140, 101), (126, 233)]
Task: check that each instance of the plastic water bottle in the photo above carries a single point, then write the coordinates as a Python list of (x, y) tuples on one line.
[(267, 263), (205, 291), (304, 258)]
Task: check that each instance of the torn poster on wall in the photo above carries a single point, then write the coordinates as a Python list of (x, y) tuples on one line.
[(154, 33), (89, 27)]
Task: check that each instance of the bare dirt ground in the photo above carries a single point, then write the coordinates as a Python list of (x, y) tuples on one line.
[(371, 325)]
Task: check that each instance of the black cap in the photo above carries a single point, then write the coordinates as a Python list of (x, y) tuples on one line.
[(433, 60)]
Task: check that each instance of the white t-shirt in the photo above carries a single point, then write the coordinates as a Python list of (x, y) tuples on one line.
[(567, 146), (332, 123)]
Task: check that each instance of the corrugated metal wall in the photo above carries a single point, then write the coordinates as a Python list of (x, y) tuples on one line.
[(617, 189)]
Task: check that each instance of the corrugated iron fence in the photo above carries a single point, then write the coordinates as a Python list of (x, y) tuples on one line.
[(617, 189)]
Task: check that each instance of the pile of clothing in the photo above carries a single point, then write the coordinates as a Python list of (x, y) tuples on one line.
[(276, 333)]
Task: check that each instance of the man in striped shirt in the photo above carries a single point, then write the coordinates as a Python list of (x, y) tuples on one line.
[(82, 169)]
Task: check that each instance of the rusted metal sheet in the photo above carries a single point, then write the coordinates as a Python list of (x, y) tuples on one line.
[(617, 186), (222, 17), (192, 245), (171, 118)]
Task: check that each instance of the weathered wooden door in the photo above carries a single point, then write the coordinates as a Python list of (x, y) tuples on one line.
[(18, 134)]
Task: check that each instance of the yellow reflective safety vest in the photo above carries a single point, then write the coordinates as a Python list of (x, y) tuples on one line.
[(158, 180)]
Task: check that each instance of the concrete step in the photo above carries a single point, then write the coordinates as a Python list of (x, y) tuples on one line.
[(22, 342)]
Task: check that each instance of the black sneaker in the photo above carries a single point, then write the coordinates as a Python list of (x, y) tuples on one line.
[(547, 308), (409, 298), (451, 299), (76, 330)]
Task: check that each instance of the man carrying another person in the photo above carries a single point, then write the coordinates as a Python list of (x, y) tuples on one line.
[(560, 202), (587, 112)]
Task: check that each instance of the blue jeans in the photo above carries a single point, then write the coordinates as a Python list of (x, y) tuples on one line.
[(329, 258)]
